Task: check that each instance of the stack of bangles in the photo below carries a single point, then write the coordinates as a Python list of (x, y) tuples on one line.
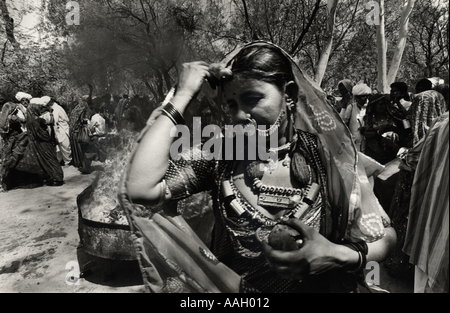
[(173, 114), (362, 249), (162, 194)]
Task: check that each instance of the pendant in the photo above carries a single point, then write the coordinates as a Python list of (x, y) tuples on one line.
[(250, 128), (278, 201), (257, 169), (287, 161)]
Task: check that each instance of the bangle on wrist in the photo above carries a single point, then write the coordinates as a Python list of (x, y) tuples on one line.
[(362, 249), (173, 114), (162, 194)]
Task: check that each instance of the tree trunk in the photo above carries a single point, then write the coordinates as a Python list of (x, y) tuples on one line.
[(9, 25), (325, 56), (402, 37), (382, 48)]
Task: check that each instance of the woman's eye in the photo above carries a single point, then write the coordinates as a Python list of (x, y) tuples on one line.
[(231, 106), (252, 101)]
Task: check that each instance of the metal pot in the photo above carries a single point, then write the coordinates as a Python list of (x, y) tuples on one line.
[(109, 241)]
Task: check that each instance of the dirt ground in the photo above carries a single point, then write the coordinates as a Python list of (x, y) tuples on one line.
[(39, 244), (40, 251)]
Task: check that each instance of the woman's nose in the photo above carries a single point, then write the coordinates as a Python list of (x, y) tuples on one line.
[(240, 116)]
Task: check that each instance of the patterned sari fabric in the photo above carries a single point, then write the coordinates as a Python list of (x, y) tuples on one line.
[(427, 236), (347, 209), (426, 106), (77, 117)]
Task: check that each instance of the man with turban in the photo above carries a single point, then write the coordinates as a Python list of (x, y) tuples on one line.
[(61, 130), (355, 112), (24, 100)]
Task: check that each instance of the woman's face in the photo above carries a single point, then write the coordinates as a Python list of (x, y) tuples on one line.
[(247, 97)]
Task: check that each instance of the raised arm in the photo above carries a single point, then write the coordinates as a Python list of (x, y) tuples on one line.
[(149, 165)]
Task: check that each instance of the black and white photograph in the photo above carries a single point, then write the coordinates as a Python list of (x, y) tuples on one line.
[(224, 151)]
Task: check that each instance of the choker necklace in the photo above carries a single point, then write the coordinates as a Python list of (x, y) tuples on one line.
[(251, 126)]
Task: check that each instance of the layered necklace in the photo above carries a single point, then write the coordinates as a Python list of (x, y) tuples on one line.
[(295, 201)]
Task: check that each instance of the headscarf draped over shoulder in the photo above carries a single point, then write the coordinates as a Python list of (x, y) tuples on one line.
[(347, 83), (7, 109), (360, 215)]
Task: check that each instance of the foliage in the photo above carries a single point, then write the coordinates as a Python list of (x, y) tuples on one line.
[(136, 47)]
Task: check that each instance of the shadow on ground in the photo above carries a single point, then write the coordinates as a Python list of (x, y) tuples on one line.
[(106, 272)]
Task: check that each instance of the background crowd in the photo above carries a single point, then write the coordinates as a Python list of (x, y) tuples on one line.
[(393, 127), (39, 136)]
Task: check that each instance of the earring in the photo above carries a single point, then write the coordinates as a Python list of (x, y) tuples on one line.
[(290, 104)]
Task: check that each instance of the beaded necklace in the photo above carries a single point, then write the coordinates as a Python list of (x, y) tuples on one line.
[(294, 200)]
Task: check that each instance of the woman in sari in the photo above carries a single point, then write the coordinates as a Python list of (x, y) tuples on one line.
[(267, 94), (41, 147), (425, 107), (14, 142), (427, 240), (78, 118)]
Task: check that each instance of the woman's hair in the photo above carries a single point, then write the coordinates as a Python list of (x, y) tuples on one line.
[(401, 86), (263, 63), (424, 85)]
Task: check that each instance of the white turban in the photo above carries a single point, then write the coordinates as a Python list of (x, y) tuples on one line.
[(45, 100), (22, 95), (361, 90), (436, 81), (36, 101)]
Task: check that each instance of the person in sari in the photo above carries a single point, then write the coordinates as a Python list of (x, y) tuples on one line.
[(14, 142), (425, 107), (427, 240), (345, 87), (261, 85), (78, 118), (42, 146)]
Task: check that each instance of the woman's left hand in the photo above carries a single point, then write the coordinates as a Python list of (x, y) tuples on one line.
[(316, 255)]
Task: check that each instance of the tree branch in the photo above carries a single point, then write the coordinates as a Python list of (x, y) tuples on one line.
[(306, 28)]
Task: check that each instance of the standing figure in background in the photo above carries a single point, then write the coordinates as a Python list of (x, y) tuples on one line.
[(427, 233), (24, 101), (97, 150), (381, 130), (355, 112), (14, 143), (400, 96), (61, 129), (78, 119), (426, 106), (423, 85), (42, 146), (345, 89), (119, 112)]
